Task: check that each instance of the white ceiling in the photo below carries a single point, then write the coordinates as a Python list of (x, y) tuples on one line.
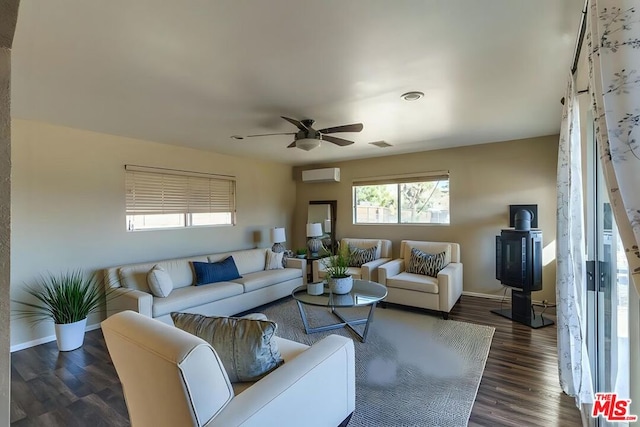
[(195, 72)]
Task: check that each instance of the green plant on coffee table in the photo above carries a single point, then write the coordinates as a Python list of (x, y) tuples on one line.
[(301, 251), (338, 264), (64, 298)]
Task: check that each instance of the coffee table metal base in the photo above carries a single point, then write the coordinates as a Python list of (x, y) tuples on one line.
[(344, 322)]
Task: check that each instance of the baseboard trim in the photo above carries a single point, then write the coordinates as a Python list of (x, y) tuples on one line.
[(44, 340), (507, 297), (488, 296)]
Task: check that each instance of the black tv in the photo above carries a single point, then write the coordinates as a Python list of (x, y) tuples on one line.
[(519, 259)]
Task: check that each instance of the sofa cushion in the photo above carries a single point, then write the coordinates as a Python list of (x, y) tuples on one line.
[(181, 272), (359, 256), (261, 279), (159, 282), (247, 347), (273, 260), (213, 272), (289, 350), (424, 263), (247, 260), (192, 296), (414, 282)]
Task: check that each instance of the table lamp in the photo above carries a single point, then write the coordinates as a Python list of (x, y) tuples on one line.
[(278, 237), (314, 230)]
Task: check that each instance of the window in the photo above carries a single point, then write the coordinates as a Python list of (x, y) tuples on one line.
[(165, 198), (416, 199)]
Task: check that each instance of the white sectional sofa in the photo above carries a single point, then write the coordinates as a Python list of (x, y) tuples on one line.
[(257, 286)]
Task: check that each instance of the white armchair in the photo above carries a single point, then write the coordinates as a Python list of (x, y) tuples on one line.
[(172, 378), (369, 270), (417, 290)]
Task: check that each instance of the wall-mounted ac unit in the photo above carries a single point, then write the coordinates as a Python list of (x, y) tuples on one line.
[(321, 175)]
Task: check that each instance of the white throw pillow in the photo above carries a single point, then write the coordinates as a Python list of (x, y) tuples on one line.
[(159, 282), (274, 260)]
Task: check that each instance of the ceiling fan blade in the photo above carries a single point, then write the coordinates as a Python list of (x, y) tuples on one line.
[(356, 127), (292, 145), (270, 134), (296, 123), (338, 141)]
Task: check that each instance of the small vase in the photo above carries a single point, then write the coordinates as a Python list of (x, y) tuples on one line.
[(315, 288), (341, 285), (70, 336)]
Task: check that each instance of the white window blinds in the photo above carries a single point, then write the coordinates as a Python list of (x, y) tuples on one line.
[(153, 191)]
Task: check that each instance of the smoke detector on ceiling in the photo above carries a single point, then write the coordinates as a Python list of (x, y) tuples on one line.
[(412, 96)]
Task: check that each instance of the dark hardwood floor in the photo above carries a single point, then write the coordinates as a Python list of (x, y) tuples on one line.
[(520, 385), (80, 388)]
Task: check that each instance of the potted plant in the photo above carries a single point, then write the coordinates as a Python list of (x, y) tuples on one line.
[(66, 299), (337, 266), (301, 252)]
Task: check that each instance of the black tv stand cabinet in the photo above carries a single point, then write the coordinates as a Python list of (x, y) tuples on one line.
[(522, 312)]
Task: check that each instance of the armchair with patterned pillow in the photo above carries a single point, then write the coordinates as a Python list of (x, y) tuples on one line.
[(427, 275), (366, 256)]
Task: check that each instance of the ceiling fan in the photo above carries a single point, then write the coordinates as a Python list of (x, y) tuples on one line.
[(308, 138)]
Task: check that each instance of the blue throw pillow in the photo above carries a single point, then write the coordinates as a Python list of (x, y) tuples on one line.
[(212, 272)]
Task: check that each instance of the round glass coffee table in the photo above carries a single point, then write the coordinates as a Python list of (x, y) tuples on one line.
[(364, 293)]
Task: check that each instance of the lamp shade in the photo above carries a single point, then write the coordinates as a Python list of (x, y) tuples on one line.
[(314, 229), (307, 144), (327, 226), (278, 235)]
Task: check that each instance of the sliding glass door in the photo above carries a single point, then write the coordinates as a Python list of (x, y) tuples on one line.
[(607, 289)]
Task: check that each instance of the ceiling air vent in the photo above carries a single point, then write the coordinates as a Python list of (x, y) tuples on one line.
[(381, 144)]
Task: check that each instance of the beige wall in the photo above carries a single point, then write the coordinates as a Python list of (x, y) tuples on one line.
[(484, 181), (68, 205)]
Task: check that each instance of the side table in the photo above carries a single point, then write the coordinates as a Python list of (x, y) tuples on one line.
[(310, 259)]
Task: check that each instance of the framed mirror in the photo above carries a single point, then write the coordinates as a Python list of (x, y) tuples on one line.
[(324, 212)]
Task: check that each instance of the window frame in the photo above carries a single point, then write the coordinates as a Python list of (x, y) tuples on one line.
[(398, 180), (153, 191)]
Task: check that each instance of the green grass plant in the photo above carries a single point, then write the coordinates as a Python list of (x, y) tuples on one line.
[(64, 298)]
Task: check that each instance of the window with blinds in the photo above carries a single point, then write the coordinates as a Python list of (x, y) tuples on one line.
[(165, 198), (402, 199)]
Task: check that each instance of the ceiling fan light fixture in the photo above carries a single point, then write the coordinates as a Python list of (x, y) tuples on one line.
[(307, 144), (412, 96)]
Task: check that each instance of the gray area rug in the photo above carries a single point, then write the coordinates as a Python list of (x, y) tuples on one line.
[(414, 370)]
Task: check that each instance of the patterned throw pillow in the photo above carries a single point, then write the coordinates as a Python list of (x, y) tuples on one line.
[(424, 263), (246, 345), (361, 256)]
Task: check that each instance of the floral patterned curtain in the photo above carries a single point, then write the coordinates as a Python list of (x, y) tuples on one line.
[(613, 40), (573, 358)]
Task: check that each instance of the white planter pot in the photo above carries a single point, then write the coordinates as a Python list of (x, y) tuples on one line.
[(341, 285), (315, 288), (70, 336)]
